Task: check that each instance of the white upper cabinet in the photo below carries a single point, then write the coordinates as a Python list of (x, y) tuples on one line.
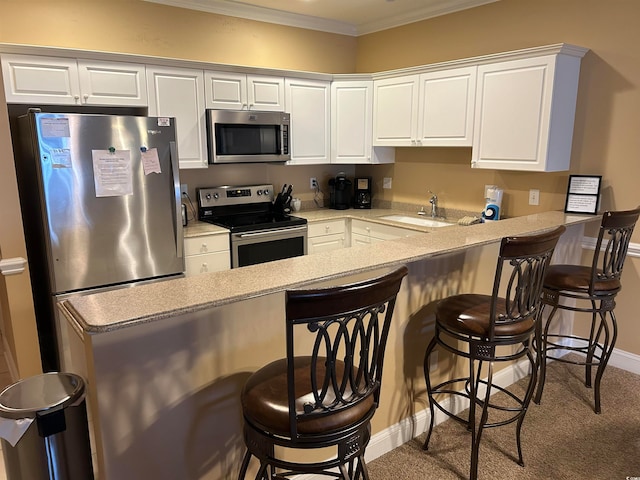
[(445, 114), (395, 111), (427, 109), (65, 81), (308, 103), (234, 91), (525, 113), (179, 93), (352, 124)]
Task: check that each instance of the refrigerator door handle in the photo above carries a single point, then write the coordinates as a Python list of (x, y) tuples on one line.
[(176, 188)]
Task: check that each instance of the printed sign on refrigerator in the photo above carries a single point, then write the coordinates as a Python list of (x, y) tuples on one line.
[(112, 173)]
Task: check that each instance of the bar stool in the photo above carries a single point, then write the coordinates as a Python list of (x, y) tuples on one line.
[(596, 286), (492, 328), (326, 390)]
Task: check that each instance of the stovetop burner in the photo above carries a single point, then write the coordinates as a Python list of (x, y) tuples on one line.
[(243, 209), (245, 223)]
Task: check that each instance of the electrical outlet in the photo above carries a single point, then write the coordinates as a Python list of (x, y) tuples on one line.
[(313, 183), (386, 182), (184, 189), (534, 196)]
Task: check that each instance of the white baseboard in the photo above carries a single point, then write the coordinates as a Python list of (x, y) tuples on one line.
[(403, 431), (408, 428), (625, 361)]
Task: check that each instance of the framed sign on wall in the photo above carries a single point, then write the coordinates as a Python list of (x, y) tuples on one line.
[(583, 194)]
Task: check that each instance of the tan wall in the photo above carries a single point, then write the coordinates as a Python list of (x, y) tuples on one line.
[(606, 119), (137, 27), (605, 142)]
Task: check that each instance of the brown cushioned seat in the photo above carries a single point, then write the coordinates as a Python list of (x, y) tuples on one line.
[(322, 395), (468, 314), (591, 290), (577, 278), (265, 401), (475, 327)]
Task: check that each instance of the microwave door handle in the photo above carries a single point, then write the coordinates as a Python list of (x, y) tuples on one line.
[(173, 160)]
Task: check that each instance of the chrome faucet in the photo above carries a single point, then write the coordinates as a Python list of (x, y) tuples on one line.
[(434, 204), (433, 200)]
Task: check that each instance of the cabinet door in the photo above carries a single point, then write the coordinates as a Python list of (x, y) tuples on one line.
[(179, 93), (513, 112), (210, 262), (226, 91), (352, 125), (525, 112), (308, 103), (395, 111), (325, 243), (45, 80), (445, 115), (265, 93), (110, 83)]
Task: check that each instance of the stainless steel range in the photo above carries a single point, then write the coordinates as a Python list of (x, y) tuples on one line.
[(261, 230)]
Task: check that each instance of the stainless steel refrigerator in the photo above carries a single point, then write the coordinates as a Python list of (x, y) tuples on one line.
[(100, 198)]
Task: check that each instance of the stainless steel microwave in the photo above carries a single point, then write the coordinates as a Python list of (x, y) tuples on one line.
[(247, 136)]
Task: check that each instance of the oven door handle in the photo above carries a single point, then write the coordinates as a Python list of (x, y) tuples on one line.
[(270, 232)]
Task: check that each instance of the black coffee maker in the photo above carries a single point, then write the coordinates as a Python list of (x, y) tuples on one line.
[(340, 192), (362, 192)]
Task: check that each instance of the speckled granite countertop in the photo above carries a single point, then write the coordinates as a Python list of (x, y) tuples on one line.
[(106, 311), (197, 228)]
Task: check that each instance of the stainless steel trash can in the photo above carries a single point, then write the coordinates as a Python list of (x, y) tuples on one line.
[(56, 445)]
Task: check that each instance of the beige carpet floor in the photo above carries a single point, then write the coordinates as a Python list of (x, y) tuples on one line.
[(562, 438)]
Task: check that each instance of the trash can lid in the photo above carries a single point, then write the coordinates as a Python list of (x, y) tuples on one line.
[(40, 395)]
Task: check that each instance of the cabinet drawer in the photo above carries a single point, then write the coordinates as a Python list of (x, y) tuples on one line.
[(211, 262), (325, 228), (378, 231), (325, 243), (206, 244)]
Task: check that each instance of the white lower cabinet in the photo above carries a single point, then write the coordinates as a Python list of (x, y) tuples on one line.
[(207, 253), (326, 236), (364, 233)]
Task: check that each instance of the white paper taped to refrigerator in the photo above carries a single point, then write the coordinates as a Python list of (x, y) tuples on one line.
[(150, 161), (112, 173)]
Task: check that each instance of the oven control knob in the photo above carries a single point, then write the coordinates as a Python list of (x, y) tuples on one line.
[(208, 196), (266, 192), (259, 192), (216, 196)]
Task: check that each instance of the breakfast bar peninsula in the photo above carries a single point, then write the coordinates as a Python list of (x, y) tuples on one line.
[(165, 362)]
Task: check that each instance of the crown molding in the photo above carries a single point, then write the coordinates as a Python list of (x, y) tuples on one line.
[(269, 15), (424, 13), (262, 14)]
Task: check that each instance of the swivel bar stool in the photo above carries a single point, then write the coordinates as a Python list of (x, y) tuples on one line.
[(326, 390), (591, 289), (492, 328)]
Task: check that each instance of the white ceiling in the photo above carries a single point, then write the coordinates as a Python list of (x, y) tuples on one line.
[(347, 17)]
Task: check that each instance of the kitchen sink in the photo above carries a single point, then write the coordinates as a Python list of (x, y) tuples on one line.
[(420, 221)]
